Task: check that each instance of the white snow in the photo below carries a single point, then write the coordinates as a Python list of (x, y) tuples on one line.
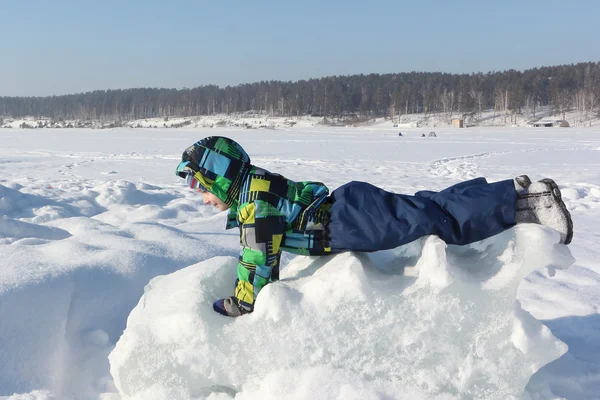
[(365, 331), (93, 222), (261, 120)]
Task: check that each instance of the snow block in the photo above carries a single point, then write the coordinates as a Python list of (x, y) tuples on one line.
[(423, 321)]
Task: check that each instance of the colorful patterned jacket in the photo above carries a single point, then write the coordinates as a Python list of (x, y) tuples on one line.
[(273, 213)]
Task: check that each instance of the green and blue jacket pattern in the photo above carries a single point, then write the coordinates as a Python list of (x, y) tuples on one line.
[(273, 213)]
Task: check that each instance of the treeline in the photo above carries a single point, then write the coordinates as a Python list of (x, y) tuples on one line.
[(562, 88)]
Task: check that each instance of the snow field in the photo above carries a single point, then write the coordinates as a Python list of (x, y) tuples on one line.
[(72, 279), (89, 217)]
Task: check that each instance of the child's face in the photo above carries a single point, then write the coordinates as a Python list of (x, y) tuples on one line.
[(212, 200)]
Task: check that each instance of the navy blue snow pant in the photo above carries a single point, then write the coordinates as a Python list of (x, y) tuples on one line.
[(367, 218)]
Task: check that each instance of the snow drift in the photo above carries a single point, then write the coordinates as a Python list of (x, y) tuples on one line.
[(71, 271), (425, 320)]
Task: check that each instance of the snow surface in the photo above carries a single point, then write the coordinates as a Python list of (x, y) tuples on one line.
[(339, 327), (93, 222)]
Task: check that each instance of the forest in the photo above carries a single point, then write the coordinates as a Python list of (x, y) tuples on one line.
[(560, 88)]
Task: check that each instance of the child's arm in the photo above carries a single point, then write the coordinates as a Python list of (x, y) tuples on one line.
[(261, 233)]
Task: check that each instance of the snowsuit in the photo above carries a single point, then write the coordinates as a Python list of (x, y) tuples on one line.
[(276, 214)]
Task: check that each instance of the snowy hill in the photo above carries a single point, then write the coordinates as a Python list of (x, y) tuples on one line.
[(241, 121), (110, 265), (488, 118), (420, 322)]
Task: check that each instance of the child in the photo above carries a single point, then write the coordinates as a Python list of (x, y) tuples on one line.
[(275, 213)]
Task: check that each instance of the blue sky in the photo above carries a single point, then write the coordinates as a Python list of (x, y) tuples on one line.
[(63, 46)]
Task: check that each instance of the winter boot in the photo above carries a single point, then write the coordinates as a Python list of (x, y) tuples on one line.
[(541, 203)]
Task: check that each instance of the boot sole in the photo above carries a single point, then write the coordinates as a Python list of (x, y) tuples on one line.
[(557, 195)]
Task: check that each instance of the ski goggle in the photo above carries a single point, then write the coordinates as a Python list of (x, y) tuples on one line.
[(192, 182), (185, 170)]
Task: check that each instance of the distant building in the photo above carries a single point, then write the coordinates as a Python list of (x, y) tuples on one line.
[(550, 123), (458, 123)]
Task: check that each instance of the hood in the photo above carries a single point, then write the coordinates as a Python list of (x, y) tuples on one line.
[(219, 164)]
